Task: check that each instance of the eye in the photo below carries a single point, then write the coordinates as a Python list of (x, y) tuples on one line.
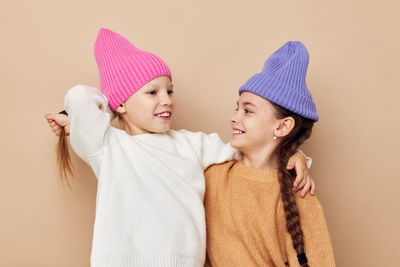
[(248, 111), (152, 92), (170, 92)]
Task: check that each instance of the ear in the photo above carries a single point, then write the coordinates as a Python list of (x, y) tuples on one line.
[(121, 109), (284, 127)]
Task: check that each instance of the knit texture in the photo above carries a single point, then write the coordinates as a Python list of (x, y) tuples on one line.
[(149, 205), (283, 80), (123, 68), (246, 224)]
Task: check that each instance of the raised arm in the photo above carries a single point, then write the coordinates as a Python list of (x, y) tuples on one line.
[(89, 116)]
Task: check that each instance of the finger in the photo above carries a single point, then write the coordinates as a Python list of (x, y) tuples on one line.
[(312, 187), (290, 164), (52, 124), (58, 132), (299, 178), (57, 128), (49, 116), (305, 189), (301, 184), (62, 120)]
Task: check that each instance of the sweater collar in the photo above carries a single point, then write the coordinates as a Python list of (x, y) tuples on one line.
[(252, 173)]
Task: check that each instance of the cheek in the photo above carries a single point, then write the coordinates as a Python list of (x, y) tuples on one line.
[(259, 129), (173, 105), (141, 113)]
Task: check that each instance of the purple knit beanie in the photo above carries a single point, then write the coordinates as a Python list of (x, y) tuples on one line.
[(283, 80), (123, 68)]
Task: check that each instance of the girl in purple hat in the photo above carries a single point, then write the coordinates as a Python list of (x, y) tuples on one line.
[(253, 216), (149, 208)]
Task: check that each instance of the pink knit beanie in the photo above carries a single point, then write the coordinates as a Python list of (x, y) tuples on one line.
[(123, 68)]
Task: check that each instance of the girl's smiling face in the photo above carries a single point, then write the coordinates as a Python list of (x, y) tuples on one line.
[(253, 124), (150, 109)]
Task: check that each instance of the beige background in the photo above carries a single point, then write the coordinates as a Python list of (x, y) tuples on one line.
[(212, 47)]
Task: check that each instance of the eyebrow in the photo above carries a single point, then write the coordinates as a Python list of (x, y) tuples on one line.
[(155, 87), (152, 87), (246, 103)]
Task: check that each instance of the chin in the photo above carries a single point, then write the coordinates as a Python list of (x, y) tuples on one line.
[(162, 129), (237, 144)]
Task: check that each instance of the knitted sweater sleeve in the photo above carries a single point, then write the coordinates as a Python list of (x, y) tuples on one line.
[(317, 243), (211, 149), (89, 116)]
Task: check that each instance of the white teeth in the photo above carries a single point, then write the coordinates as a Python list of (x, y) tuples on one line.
[(164, 114), (237, 132)]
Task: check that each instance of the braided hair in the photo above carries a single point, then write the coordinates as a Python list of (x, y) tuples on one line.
[(285, 149)]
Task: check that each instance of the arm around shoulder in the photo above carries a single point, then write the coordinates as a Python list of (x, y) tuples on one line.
[(211, 149)]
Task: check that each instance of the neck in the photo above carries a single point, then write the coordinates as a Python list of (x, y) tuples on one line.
[(260, 158), (132, 129)]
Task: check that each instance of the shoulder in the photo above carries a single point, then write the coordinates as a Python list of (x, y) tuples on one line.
[(309, 207), (217, 175), (308, 201)]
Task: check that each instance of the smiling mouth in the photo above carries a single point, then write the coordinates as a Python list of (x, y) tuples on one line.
[(166, 115), (238, 132)]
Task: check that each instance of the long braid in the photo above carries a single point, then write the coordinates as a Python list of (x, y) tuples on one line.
[(286, 148), (64, 162)]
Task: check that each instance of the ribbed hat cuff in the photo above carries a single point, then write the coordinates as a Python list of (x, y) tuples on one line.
[(116, 101), (273, 90)]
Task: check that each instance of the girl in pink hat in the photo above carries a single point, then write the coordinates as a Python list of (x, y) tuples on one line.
[(149, 209)]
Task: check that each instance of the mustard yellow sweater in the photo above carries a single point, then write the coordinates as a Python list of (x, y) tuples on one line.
[(246, 224)]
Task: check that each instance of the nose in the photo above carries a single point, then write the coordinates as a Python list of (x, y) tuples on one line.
[(166, 99), (234, 117)]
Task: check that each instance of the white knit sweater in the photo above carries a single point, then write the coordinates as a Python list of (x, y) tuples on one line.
[(149, 205)]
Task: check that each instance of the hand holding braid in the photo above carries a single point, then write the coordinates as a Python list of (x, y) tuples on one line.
[(58, 122)]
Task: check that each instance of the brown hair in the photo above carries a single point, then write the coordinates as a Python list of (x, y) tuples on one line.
[(64, 162), (285, 149)]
